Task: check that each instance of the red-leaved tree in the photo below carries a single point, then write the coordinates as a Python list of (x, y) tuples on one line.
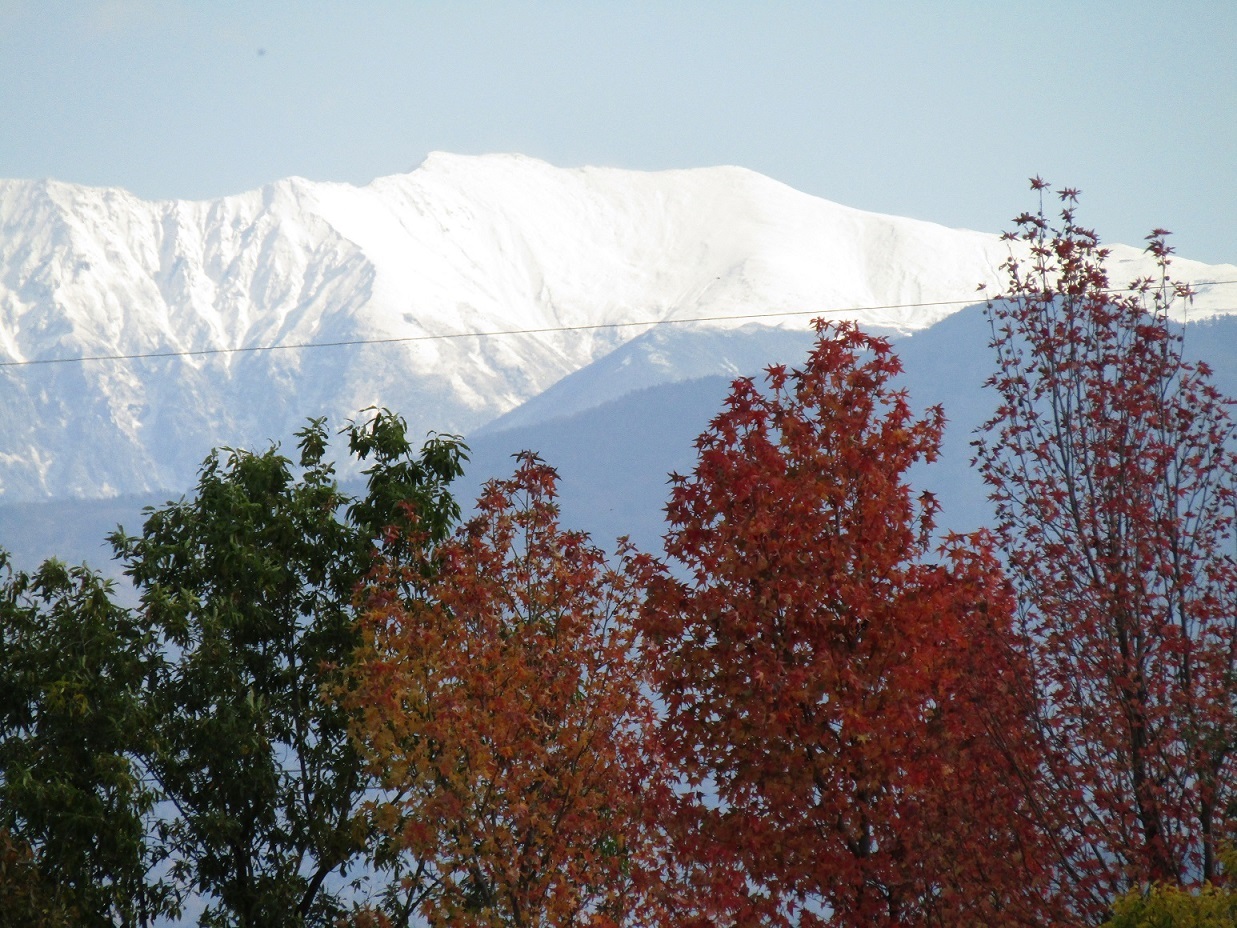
[(1110, 461), (503, 706), (839, 704)]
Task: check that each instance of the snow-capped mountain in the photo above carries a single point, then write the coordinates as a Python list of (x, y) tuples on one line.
[(194, 307)]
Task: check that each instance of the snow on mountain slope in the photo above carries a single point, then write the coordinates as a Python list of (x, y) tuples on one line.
[(664, 355), (461, 245)]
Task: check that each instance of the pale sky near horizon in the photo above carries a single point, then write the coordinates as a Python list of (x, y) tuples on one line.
[(937, 110)]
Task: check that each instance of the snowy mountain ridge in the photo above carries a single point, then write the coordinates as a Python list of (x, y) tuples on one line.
[(412, 264)]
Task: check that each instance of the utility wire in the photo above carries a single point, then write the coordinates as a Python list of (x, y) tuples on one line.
[(499, 333)]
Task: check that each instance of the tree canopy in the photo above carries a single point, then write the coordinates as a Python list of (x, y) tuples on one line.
[(503, 707), (816, 709), (841, 704), (183, 747), (1112, 466)]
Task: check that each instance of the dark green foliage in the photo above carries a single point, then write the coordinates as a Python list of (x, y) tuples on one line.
[(184, 746), (250, 585), (399, 487), (74, 805)]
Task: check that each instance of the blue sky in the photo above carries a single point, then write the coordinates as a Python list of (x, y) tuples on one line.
[(938, 110)]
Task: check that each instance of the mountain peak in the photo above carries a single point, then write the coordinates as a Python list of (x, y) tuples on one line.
[(453, 294)]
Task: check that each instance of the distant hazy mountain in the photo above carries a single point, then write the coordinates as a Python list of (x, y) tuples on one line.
[(614, 458), (461, 245)]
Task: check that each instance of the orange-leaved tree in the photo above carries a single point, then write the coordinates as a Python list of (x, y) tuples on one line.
[(841, 706), (1111, 463), (502, 704)]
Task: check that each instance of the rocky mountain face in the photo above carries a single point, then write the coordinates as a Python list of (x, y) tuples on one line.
[(472, 294)]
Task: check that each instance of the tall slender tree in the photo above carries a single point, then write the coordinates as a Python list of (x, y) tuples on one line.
[(1111, 463)]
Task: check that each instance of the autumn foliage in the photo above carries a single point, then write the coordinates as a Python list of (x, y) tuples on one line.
[(502, 705), (1111, 463), (815, 710), (26, 899), (840, 704)]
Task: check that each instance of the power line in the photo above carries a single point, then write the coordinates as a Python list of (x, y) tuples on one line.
[(499, 333)]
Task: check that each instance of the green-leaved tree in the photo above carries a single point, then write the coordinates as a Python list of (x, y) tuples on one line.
[(248, 585), (74, 802)]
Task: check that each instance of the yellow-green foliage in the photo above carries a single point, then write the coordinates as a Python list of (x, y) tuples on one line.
[(1174, 907)]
